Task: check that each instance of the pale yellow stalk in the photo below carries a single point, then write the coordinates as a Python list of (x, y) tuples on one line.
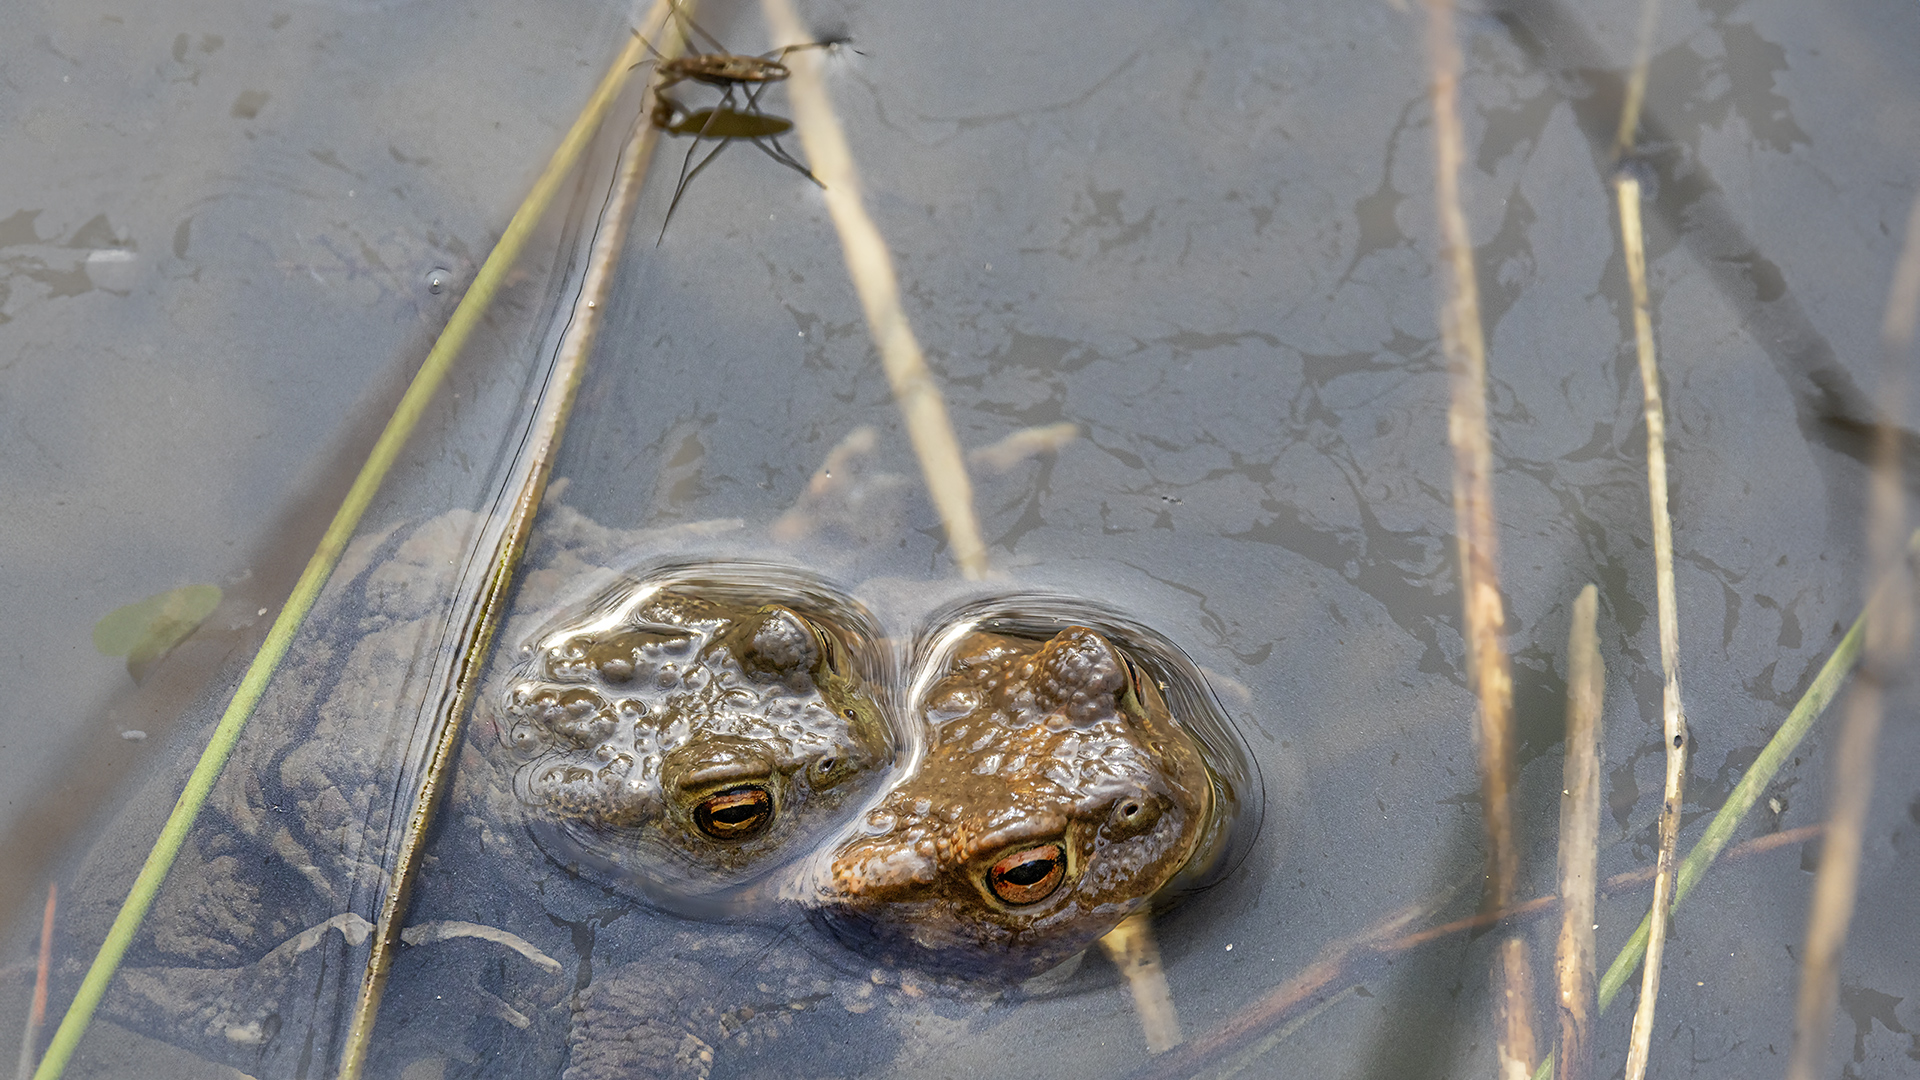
[(1673, 716), (871, 267)]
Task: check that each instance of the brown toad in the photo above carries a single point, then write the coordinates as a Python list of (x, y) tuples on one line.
[(1059, 792)]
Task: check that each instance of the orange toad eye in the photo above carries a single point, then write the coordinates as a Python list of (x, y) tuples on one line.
[(1029, 876), (734, 814)]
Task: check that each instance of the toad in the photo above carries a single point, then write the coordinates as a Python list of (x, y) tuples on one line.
[(1059, 792), (761, 719), (688, 730), (1057, 771)]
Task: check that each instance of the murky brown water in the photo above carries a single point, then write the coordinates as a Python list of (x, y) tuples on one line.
[(1202, 234)]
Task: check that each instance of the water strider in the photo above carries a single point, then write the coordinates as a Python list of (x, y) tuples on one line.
[(728, 119)]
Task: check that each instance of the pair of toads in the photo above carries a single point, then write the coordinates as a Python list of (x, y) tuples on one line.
[(729, 737), (697, 820)]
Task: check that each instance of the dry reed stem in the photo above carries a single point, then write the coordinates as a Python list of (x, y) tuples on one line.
[(1637, 79), (37, 1013), (1580, 836), (1131, 948), (1674, 720), (483, 609), (1340, 963), (871, 267), (1889, 632), (1479, 543)]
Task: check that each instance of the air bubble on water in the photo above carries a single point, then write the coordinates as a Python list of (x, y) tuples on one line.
[(438, 279)]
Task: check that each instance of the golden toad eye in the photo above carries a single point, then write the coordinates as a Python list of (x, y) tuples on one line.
[(1029, 876), (734, 814)]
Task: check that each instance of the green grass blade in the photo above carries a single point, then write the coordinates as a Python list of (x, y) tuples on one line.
[(1747, 792), (280, 637)]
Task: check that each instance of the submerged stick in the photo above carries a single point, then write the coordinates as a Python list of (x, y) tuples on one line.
[(37, 1012), (1673, 716), (1345, 961), (1580, 836), (386, 450), (1131, 948), (1811, 706), (1485, 615), (1621, 882), (480, 605), (871, 267), (1889, 633)]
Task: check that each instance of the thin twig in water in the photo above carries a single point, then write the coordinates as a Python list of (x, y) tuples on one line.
[(871, 267), (1889, 631), (1811, 706), (1621, 882), (1248, 1058), (1479, 543), (1313, 985), (37, 1013), (1673, 716), (481, 595), (293, 613), (1363, 955), (1580, 836)]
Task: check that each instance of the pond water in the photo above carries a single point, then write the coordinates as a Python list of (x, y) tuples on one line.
[(1202, 235)]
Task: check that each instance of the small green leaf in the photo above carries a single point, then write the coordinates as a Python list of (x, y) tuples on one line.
[(145, 630)]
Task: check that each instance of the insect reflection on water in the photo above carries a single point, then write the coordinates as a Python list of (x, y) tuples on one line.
[(731, 117)]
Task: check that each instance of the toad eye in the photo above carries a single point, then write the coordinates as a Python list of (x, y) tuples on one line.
[(734, 814), (1028, 876)]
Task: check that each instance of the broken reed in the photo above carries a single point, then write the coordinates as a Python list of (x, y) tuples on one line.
[(1580, 836)]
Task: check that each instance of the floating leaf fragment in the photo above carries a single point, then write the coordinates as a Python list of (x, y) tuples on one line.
[(146, 630)]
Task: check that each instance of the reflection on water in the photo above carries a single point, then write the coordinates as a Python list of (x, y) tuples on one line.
[(1196, 234), (737, 114)]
